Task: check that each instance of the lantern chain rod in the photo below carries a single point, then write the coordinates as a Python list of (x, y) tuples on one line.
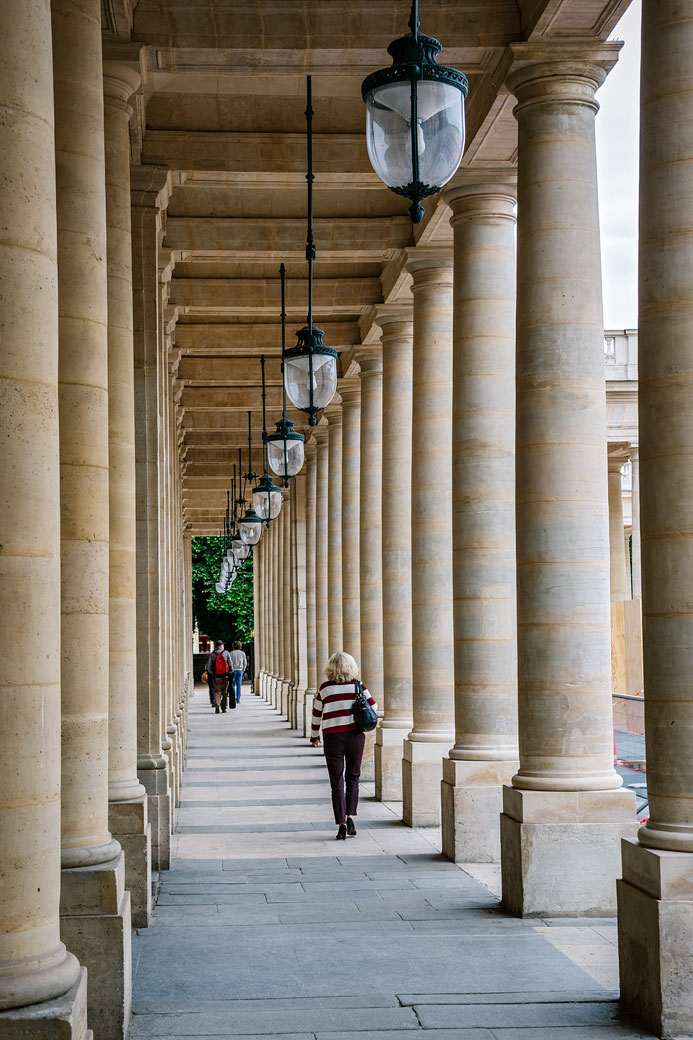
[(310, 240), (414, 19)]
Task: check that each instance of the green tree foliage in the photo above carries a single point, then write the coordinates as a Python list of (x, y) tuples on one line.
[(227, 615)]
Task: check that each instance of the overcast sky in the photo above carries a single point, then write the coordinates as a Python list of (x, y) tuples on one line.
[(617, 158)]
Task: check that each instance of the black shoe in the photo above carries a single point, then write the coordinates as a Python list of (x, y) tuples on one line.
[(341, 833), (351, 827), (217, 710)]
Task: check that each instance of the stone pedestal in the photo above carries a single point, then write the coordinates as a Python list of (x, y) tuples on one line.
[(655, 925), (471, 802), (153, 775), (561, 850), (421, 777), (62, 1018), (129, 825), (388, 763), (95, 923)]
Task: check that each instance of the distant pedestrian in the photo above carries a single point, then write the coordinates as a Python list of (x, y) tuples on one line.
[(219, 668), (333, 708), (239, 663)]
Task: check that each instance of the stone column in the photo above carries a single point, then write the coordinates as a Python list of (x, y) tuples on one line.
[(42, 990), (370, 360), (311, 513), (397, 348), (484, 756), (127, 813), (431, 541), (267, 637), (287, 646), (322, 650), (275, 544), (655, 898), (635, 536), (334, 528), (618, 578), (149, 197), (257, 617), (298, 521), (95, 906), (566, 792), (351, 480)]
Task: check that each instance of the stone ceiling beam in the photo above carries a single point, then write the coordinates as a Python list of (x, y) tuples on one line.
[(370, 236), (215, 340), (256, 153), (259, 296)]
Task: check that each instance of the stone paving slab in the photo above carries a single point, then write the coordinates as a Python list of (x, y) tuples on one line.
[(265, 924)]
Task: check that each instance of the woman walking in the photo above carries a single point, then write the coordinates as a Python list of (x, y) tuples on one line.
[(333, 706)]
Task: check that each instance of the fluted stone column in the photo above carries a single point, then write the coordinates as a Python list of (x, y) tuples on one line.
[(298, 526), (127, 814), (287, 647), (618, 578), (42, 989), (635, 551), (334, 528), (351, 512), (95, 906), (484, 756), (566, 793), (397, 348), (149, 198), (322, 649), (431, 541), (275, 542), (370, 361), (655, 904), (311, 515)]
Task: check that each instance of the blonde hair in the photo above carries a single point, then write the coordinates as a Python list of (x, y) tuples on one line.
[(341, 668)]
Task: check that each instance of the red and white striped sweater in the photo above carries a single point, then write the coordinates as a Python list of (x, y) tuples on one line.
[(333, 705)]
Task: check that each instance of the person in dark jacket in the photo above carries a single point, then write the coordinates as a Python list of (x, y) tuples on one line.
[(219, 670)]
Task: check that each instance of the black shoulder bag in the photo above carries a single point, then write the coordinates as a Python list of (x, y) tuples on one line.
[(365, 716)]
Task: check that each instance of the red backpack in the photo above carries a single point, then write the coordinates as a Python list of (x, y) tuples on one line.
[(221, 665)]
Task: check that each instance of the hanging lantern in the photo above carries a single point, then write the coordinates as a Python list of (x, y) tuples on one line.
[(285, 447), (250, 527), (415, 118), (310, 368), (240, 549), (267, 499)]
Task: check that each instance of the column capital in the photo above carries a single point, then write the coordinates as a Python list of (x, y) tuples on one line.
[(617, 455), (395, 320), (120, 81), (349, 390), (482, 198), (333, 412), (320, 434), (559, 71), (150, 186), (429, 266), (370, 358)]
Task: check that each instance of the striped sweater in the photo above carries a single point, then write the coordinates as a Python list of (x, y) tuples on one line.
[(333, 705)]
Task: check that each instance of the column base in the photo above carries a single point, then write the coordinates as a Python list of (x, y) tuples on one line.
[(129, 824), (560, 850), (471, 796), (95, 925), (655, 938), (154, 779), (387, 763), (273, 690), (63, 1018), (285, 694), (422, 771), (308, 711)]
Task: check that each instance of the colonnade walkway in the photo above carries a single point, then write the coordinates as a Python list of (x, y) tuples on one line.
[(267, 927)]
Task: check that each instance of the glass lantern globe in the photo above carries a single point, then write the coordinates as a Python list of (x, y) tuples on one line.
[(415, 119), (240, 549), (267, 499), (250, 528), (310, 373), (285, 450)]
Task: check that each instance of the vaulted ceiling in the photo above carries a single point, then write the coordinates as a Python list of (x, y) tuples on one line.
[(222, 107)]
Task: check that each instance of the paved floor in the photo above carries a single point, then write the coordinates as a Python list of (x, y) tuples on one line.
[(267, 927)]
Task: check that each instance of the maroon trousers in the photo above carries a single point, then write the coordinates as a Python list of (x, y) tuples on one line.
[(343, 754)]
